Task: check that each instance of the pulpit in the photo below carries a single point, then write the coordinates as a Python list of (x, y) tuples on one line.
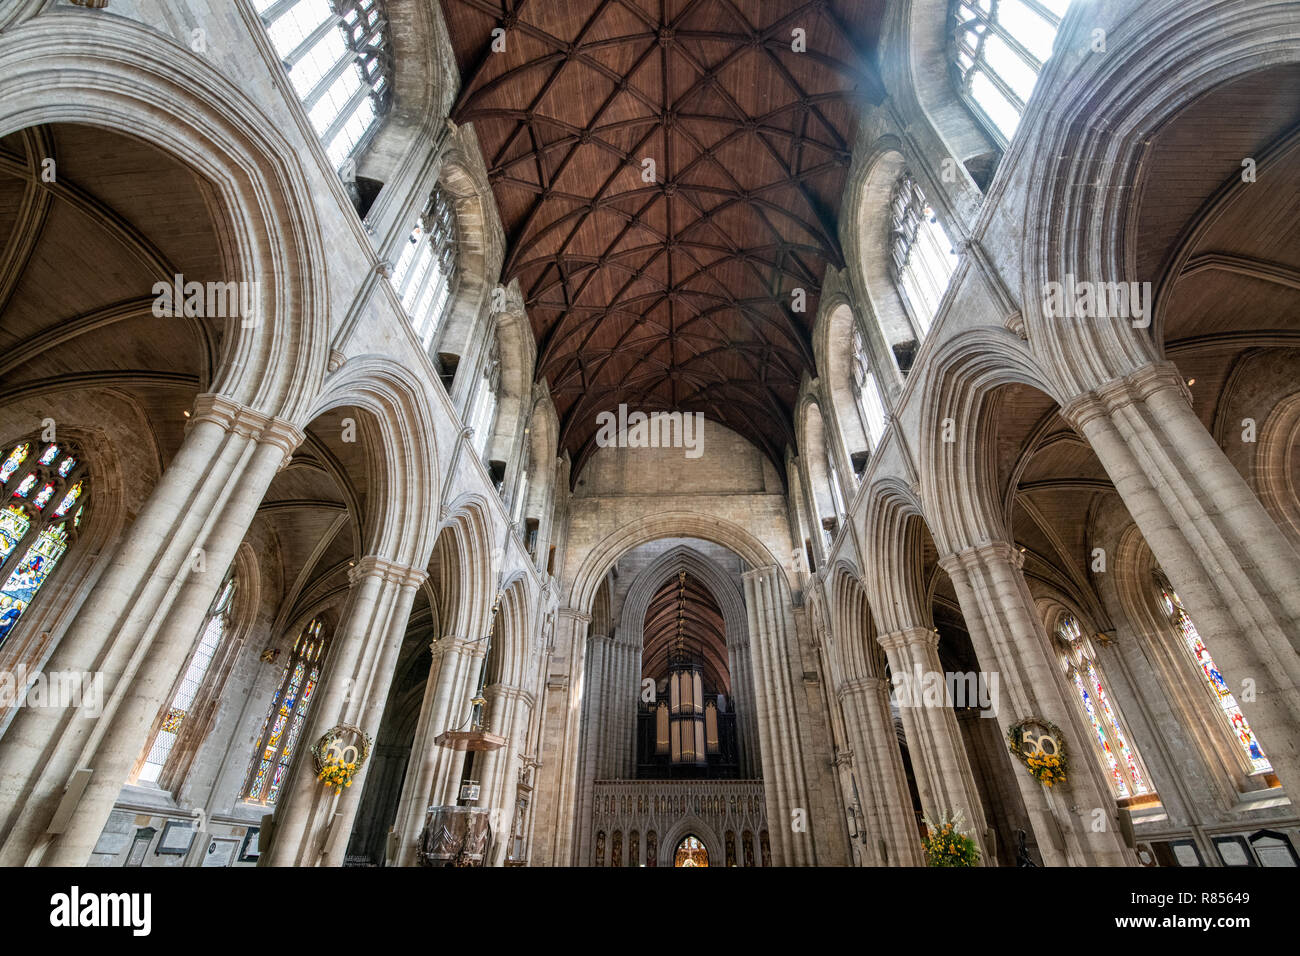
[(455, 836)]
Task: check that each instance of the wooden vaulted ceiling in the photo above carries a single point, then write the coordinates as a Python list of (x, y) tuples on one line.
[(675, 293), (702, 629)]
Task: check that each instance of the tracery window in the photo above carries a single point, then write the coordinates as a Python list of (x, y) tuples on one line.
[(866, 390), (426, 268), (1120, 759), (1214, 679), (922, 258), (485, 400), (288, 712), (44, 492), (215, 629), (337, 55), (998, 49)]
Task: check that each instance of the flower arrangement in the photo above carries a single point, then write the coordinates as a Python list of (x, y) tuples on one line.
[(1047, 769), (946, 845), (337, 774), (1040, 746)]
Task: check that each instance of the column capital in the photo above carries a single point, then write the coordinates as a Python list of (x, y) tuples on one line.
[(573, 614), (1137, 386), (755, 573), (453, 642), (857, 685), (969, 559), (373, 564), (509, 692), (249, 422), (909, 637)]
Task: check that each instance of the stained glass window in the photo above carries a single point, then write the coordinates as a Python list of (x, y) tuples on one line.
[(34, 537), (13, 460), (339, 63), (214, 630), (1118, 757), (998, 49), (921, 257), (288, 712), (425, 274), (1214, 679), (867, 390)]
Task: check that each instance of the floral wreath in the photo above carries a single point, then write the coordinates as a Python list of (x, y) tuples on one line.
[(1047, 768), (335, 767)]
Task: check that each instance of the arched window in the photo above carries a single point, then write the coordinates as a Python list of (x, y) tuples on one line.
[(484, 413), (922, 258), (1127, 777), (425, 274), (866, 390), (1214, 680), (288, 712), (338, 59), (998, 49), (44, 491), (216, 628)]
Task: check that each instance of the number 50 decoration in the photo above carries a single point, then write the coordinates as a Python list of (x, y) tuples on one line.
[(1040, 746), (337, 760)]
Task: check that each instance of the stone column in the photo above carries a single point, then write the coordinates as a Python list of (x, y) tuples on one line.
[(136, 629), (742, 705), (939, 760), (881, 780), (313, 823), (1236, 571), (510, 710), (785, 785), (1009, 639), (595, 734), (445, 702), (557, 796), (624, 697)]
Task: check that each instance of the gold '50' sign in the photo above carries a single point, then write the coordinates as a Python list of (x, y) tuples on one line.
[(1034, 737)]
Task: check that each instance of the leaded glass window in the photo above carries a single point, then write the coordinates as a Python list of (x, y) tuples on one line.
[(44, 493), (866, 390), (1118, 757), (338, 58), (178, 712), (998, 49), (485, 401), (921, 257), (425, 274), (1214, 679), (287, 717)]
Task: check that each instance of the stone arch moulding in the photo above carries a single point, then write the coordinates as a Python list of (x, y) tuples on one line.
[(681, 830), (894, 583), (867, 250), (474, 538), (1147, 81), (404, 523), (958, 488), (144, 85), (480, 243), (669, 524), (735, 621)]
